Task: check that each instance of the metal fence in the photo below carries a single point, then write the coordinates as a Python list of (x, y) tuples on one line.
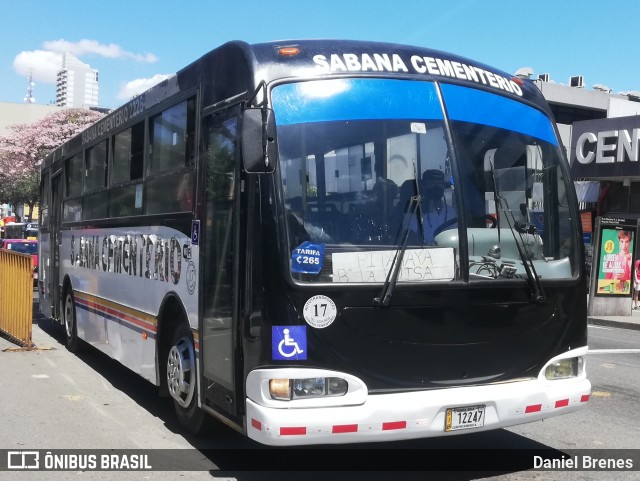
[(16, 296)]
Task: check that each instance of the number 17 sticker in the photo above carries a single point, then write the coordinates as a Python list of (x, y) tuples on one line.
[(319, 312)]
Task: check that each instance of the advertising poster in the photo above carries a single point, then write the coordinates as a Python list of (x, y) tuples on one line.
[(616, 260)]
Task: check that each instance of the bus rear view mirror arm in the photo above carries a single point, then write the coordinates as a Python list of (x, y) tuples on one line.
[(259, 149)]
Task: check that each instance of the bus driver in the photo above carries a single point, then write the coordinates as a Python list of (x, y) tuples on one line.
[(437, 209)]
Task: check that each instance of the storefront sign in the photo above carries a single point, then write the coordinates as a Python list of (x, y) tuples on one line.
[(605, 147)]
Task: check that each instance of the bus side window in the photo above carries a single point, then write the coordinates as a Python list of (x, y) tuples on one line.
[(171, 137), (127, 165), (128, 148), (169, 184), (44, 199), (137, 151), (169, 193), (124, 201), (96, 167), (74, 175)]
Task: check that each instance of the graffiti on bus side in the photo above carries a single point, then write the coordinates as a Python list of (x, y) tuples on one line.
[(142, 255)]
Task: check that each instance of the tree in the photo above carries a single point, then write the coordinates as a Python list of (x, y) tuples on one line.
[(22, 152)]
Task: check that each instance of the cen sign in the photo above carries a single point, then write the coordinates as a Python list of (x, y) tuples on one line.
[(605, 147)]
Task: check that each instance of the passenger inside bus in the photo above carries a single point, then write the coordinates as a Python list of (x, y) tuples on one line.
[(316, 223), (373, 219)]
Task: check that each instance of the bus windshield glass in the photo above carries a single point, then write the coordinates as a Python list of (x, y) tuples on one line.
[(354, 152)]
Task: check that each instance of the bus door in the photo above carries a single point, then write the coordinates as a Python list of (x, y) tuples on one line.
[(53, 274), (218, 265)]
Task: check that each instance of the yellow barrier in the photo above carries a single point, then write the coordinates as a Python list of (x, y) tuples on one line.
[(16, 296)]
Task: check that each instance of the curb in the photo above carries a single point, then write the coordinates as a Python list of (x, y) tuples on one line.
[(610, 323)]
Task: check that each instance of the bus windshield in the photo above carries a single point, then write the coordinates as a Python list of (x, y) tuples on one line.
[(353, 152)]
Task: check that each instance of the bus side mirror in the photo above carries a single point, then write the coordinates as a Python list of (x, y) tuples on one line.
[(259, 148)]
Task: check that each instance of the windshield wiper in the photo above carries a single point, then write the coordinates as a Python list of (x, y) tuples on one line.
[(414, 205), (394, 272), (536, 288)]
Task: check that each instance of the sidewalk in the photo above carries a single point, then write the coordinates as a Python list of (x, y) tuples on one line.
[(631, 321), (45, 334), (624, 322)]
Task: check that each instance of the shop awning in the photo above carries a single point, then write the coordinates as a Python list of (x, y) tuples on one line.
[(587, 190)]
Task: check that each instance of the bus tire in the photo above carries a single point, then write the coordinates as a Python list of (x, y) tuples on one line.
[(70, 322), (182, 380)]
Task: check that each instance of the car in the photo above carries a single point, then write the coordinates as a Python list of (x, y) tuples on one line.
[(24, 246)]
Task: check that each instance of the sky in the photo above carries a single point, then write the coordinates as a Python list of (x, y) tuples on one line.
[(136, 43)]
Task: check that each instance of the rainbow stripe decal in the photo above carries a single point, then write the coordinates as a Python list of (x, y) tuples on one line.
[(138, 321)]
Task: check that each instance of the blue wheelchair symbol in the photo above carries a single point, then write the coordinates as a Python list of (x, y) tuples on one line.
[(195, 232), (289, 343)]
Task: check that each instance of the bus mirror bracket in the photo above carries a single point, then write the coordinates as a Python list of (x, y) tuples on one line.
[(259, 149)]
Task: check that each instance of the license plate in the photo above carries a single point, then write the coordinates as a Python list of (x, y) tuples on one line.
[(464, 418)]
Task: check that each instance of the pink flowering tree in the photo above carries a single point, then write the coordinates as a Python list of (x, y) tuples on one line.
[(22, 152)]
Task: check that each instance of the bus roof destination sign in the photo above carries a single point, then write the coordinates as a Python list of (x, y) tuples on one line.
[(383, 62)]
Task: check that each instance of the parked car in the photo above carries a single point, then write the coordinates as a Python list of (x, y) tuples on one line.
[(24, 246)]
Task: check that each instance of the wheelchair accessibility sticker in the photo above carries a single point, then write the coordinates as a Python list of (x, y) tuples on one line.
[(289, 342)]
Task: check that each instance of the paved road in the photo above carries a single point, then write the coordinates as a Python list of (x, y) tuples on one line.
[(52, 399)]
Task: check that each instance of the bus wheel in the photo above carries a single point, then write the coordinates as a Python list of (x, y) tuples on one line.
[(181, 380), (70, 323)]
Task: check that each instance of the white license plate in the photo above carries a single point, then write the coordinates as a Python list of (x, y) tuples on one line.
[(464, 418)]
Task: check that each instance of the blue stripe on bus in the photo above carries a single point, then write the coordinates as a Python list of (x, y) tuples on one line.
[(355, 99), (484, 108)]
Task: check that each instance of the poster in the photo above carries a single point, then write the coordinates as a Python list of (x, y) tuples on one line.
[(616, 260)]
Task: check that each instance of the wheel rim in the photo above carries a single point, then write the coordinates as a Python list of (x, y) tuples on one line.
[(181, 372), (68, 315)]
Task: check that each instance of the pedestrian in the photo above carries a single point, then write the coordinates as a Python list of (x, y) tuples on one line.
[(636, 284)]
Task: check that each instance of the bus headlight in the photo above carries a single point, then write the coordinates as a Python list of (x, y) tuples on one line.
[(303, 387), (565, 368), (314, 387)]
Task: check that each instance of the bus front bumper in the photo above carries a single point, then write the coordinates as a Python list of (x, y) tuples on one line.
[(417, 414)]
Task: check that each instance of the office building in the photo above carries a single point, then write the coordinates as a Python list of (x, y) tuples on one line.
[(77, 84)]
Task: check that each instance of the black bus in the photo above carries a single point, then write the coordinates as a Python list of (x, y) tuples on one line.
[(326, 242)]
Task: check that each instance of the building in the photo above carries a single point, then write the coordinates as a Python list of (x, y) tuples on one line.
[(15, 113), (601, 132), (77, 84), (574, 103), (606, 190)]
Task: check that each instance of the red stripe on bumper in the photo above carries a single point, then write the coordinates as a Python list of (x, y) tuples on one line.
[(394, 425), (295, 431), (345, 428), (533, 408), (562, 403)]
